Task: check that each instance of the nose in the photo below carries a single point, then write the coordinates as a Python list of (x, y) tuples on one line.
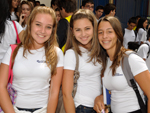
[(43, 29), (83, 33), (104, 35)]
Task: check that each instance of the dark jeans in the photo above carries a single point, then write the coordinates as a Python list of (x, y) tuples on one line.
[(137, 111), (25, 109), (84, 109)]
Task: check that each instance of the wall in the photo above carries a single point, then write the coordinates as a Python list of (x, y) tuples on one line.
[(46, 2)]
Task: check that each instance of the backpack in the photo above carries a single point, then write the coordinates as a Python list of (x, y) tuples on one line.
[(133, 45), (131, 81)]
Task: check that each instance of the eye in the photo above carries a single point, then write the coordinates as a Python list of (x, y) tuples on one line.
[(77, 29), (49, 27), (87, 28), (100, 32), (109, 31), (37, 24)]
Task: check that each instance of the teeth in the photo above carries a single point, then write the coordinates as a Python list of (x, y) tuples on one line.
[(105, 42), (40, 36)]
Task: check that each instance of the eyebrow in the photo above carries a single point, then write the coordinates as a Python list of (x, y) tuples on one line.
[(106, 29), (40, 22)]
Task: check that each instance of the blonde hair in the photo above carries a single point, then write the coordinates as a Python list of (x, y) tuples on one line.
[(50, 44), (72, 42)]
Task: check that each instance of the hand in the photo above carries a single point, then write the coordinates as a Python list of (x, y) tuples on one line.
[(99, 104), (22, 18)]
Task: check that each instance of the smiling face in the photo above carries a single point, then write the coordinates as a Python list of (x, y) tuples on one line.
[(26, 10), (83, 31), (107, 36), (41, 29)]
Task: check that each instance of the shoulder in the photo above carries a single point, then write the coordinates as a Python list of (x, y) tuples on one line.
[(62, 21), (58, 50), (70, 52)]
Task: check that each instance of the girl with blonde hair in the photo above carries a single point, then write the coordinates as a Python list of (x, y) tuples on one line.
[(36, 61)]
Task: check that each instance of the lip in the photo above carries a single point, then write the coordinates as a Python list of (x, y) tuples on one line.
[(106, 42)]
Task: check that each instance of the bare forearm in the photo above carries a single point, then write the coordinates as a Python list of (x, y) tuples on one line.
[(5, 101), (52, 104), (148, 107), (69, 104)]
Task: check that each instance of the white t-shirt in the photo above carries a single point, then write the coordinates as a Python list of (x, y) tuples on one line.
[(13, 16), (123, 97), (31, 77), (129, 35), (9, 37), (89, 82), (140, 33), (143, 51)]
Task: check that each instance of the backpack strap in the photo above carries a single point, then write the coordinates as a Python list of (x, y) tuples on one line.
[(76, 74), (148, 50), (18, 40), (10, 73), (131, 81), (135, 32)]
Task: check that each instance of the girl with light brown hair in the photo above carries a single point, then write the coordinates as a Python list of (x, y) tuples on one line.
[(82, 39)]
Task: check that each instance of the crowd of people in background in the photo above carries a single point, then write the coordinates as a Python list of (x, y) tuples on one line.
[(44, 61)]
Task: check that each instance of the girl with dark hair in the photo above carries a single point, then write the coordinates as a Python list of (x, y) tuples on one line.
[(123, 97), (7, 31), (141, 29), (13, 8)]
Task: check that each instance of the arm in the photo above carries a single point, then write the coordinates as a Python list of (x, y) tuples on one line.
[(67, 87), (20, 35), (54, 90), (21, 19), (5, 102), (143, 79)]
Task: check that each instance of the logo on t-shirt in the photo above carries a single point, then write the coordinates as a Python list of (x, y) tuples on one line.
[(41, 61), (118, 74)]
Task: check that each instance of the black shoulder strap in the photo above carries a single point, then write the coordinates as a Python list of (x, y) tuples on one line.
[(135, 32), (148, 50), (123, 30), (130, 79)]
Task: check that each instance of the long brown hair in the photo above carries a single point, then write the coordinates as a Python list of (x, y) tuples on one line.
[(20, 10), (50, 44), (120, 50), (72, 42)]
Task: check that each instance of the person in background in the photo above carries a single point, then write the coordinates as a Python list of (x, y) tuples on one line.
[(37, 3), (141, 29), (82, 38), (88, 4), (67, 7), (54, 4), (129, 33), (99, 12), (25, 11), (13, 8), (110, 9), (42, 5), (123, 97), (7, 30), (37, 60), (58, 15), (137, 20), (32, 2)]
